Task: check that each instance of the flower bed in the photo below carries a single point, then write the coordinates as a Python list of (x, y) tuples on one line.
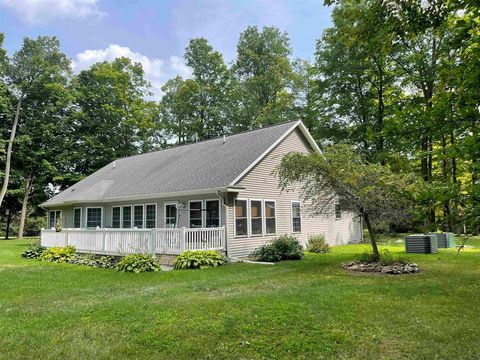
[(379, 267)]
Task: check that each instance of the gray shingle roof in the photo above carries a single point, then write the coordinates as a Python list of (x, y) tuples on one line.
[(204, 165)]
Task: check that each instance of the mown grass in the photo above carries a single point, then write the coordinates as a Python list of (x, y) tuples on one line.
[(308, 309)]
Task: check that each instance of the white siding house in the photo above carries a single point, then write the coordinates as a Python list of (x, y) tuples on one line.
[(227, 183)]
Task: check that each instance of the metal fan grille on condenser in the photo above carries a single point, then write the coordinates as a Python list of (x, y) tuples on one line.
[(421, 244)]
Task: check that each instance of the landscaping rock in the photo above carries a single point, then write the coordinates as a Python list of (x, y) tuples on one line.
[(394, 269)]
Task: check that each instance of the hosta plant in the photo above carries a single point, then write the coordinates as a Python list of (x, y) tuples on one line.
[(58, 254), (199, 259), (138, 263), (33, 251)]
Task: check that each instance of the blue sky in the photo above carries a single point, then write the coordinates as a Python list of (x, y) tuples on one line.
[(155, 33)]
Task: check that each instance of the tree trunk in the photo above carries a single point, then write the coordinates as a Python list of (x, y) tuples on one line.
[(28, 190), (446, 202), (9, 150), (9, 221), (371, 233)]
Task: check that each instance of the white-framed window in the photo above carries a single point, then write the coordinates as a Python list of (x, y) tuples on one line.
[(127, 216), (338, 212), (138, 216), (170, 215), (270, 217), (151, 216), (241, 218), (296, 217), (195, 213), (212, 213), (77, 218), (256, 218), (54, 216), (116, 217), (94, 217)]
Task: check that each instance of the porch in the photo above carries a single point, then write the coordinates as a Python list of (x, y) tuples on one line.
[(168, 241)]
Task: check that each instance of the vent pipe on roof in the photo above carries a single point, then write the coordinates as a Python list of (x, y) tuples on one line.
[(113, 165), (224, 139)]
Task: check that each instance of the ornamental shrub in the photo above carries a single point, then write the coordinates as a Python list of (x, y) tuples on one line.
[(33, 251), (138, 263), (58, 254), (285, 247), (199, 259), (98, 261), (317, 244)]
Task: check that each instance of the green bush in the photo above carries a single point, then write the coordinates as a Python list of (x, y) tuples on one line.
[(285, 247), (199, 260), (58, 254), (138, 263), (33, 251), (98, 261), (317, 244)]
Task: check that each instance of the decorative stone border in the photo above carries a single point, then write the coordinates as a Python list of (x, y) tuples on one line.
[(394, 269)]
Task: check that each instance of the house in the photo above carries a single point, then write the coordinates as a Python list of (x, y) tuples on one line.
[(220, 193)]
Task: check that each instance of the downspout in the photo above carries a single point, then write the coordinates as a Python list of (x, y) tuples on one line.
[(225, 207)]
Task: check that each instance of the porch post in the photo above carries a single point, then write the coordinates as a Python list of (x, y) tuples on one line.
[(151, 241), (184, 231)]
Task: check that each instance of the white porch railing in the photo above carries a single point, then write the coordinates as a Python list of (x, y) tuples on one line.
[(130, 241)]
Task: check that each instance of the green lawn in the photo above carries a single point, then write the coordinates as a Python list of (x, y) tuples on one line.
[(300, 309)]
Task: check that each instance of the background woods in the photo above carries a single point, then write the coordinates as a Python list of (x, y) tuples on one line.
[(396, 81)]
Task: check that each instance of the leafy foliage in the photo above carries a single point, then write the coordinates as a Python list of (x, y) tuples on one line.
[(33, 251), (138, 263), (58, 254), (98, 261), (199, 259), (386, 258), (285, 247), (317, 244)]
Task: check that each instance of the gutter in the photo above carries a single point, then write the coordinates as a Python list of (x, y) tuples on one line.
[(227, 189)]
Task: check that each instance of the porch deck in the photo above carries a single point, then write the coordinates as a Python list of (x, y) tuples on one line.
[(130, 241)]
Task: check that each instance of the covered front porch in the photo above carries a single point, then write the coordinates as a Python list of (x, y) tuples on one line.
[(168, 241)]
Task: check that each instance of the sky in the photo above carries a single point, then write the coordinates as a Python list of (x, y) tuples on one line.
[(156, 32)]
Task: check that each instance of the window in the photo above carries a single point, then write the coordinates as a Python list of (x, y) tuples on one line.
[(270, 224), (138, 216), (338, 212), (256, 217), (213, 213), (241, 222), (296, 219), (116, 219), (126, 217), (77, 218), (151, 216), (170, 215), (94, 217), (195, 211), (54, 217)]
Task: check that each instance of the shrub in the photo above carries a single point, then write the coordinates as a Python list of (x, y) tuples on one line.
[(98, 261), (386, 258), (285, 247), (199, 260), (33, 251), (58, 254), (317, 244), (138, 263)]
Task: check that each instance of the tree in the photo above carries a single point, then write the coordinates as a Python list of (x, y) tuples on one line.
[(341, 175), (38, 66), (114, 119), (264, 74)]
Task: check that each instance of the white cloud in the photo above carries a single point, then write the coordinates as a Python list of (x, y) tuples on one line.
[(42, 11), (157, 71)]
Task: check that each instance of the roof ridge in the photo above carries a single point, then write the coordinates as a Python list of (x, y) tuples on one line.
[(175, 146)]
